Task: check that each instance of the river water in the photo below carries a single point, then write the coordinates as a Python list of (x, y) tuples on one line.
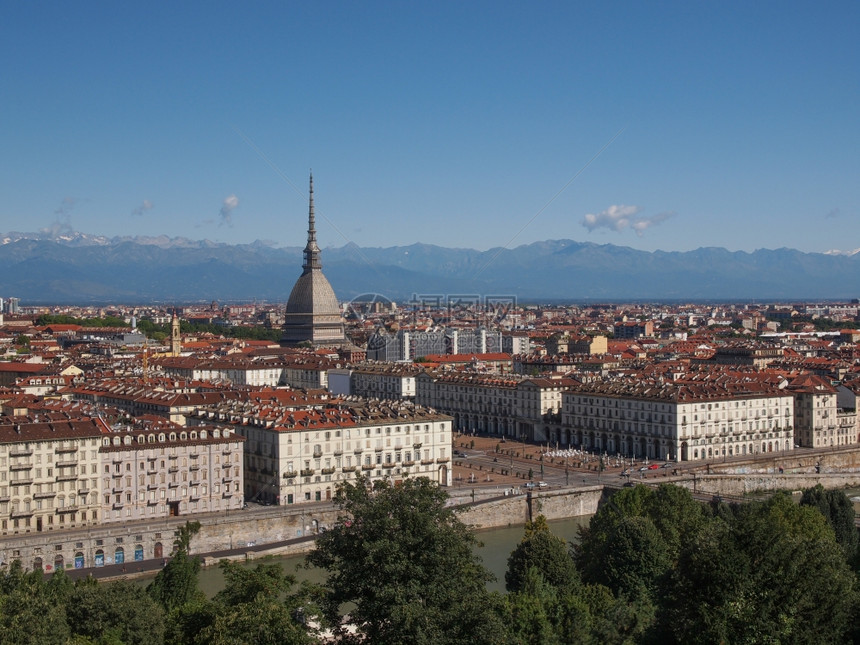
[(497, 546)]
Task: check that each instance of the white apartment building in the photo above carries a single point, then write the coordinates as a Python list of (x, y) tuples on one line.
[(820, 422), (166, 472), (509, 406), (375, 380), (49, 474), (678, 421), (296, 454)]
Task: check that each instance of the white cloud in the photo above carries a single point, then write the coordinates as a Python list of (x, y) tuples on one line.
[(615, 218), (620, 217), (229, 205), (145, 206)]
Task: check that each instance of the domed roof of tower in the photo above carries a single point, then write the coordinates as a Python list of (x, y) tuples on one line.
[(313, 313), (313, 294)]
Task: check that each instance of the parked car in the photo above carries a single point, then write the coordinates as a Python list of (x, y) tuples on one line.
[(653, 466)]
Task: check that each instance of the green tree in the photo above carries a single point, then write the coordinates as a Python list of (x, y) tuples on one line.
[(177, 582), (545, 552), (29, 611), (636, 558), (256, 605), (838, 510), (590, 552), (405, 563), (772, 573), (534, 610), (121, 609)]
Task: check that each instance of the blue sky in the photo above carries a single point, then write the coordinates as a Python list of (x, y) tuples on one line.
[(731, 124)]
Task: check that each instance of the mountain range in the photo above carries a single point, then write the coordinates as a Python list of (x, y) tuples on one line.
[(81, 268)]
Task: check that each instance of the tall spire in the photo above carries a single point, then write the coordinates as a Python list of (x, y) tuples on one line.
[(312, 251)]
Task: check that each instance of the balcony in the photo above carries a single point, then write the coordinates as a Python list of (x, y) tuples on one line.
[(66, 463), (20, 466), (388, 464), (338, 452), (64, 449), (367, 467), (20, 513), (152, 487), (290, 474), (358, 451), (442, 460), (20, 452), (307, 472), (45, 495), (70, 509), (317, 454), (425, 462), (409, 463), (22, 482), (347, 469), (327, 471), (173, 469), (116, 506), (194, 467)]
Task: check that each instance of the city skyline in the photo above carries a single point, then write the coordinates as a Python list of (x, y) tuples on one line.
[(487, 125)]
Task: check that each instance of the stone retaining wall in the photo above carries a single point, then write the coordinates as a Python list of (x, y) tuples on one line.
[(746, 484)]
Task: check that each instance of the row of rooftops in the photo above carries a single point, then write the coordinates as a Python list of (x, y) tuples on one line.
[(339, 413)]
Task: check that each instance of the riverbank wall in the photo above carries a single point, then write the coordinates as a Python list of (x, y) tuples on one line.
[(750, 484), (134, 547)]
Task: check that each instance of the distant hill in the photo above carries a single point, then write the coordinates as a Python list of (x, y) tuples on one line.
[(81, 268)]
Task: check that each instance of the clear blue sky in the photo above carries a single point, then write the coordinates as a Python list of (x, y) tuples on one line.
[(451, 123)]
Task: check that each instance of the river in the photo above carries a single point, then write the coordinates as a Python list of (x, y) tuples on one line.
[(497, 546)]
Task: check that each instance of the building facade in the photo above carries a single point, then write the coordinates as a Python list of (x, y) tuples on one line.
[(161, 472), (680, 422), (299, 453)]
